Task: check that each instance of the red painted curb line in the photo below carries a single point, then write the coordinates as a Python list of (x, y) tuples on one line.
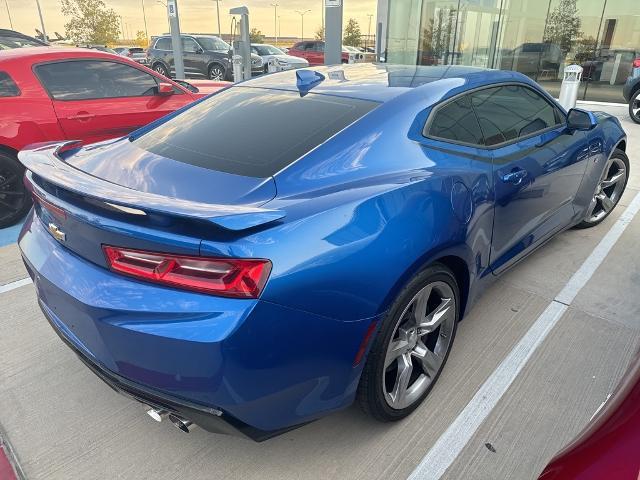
[(6, 469)]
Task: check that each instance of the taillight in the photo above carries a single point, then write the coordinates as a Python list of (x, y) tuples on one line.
[(228, 277), (636, 63)]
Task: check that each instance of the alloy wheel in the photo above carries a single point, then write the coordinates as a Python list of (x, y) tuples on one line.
[(161, 70), (216, 73), (11, 194), (634, 107), (419, 345), (609, 190)]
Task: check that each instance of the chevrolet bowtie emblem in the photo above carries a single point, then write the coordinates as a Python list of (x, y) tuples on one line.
[(57, 233)]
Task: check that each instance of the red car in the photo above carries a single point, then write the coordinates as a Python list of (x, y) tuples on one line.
[(609, 448), (75, 94), (313, 52)]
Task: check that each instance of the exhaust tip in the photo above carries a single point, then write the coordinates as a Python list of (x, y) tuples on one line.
[(181, 423), (157, 414)]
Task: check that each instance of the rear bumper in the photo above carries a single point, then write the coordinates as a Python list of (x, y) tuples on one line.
[(266, 367)]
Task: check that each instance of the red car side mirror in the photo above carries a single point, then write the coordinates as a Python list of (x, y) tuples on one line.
[(165, 89)]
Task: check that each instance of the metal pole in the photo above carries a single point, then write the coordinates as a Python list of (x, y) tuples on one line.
[(218, 16), (275, 20), (9, 14), (302, 14), (176, 38), (44, 32), (333, 35), (144, 15), (279, 25), (122, 26), (370, 15)]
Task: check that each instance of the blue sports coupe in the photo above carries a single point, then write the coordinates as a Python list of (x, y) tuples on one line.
[(304, 240)]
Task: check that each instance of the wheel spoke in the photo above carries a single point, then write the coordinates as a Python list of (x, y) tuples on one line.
[(592, 207), (397, 348), (8, 180), (435, 318), (14, 193), (420, 305), (405, 367), (429, 360), (605, 201), (618, 176)]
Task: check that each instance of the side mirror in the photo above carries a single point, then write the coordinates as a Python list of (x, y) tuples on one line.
[(579, 119), (165, 89), (199, 50)]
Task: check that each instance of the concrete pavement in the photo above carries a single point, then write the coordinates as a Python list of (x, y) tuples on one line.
[(65, 423)]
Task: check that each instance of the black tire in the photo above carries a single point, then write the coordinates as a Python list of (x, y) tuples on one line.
[(15, 201), (161, 69), (595, 217), (216, 72), (634, 102), (371, 389)]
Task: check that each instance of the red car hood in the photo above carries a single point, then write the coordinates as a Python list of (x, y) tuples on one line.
[(206, 87)]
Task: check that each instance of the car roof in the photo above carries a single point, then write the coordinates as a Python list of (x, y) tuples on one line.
[(43, 54), (382, 82)]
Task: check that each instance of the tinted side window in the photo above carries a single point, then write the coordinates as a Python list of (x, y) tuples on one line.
[(163, 44), (189, 45), (8, 88), (456, 121), (92, 79), (510, 112), (281, 127)]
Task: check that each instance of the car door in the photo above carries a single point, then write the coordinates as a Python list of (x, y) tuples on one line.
[(193, 58), (96, 99), (317, 54), (538, 165)]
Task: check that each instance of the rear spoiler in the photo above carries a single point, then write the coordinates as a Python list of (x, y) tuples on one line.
[(45, 161)]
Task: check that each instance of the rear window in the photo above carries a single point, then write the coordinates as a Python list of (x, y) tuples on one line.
[(8, 88), (252, 132)]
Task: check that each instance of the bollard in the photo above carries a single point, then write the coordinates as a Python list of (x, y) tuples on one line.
[(570, 86)]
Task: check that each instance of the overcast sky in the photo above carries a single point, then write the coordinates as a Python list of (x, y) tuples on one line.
[(195, 15)]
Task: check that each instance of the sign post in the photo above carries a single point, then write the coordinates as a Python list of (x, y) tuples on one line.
[(176, 39), (333, 32)]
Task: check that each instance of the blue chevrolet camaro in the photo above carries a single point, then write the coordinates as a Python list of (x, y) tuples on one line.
[(299, 241)]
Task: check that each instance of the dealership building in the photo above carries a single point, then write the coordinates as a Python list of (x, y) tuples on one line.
[(535, 37)]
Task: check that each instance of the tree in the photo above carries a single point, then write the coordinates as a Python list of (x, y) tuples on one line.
[(352, 35), (141, 39), (256, 36), (319, 33), (90, 22), (563, 26)]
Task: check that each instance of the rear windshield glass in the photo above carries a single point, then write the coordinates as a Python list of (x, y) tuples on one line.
[(8, 88), (252, 132)]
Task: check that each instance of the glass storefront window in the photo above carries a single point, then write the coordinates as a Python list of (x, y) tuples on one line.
[(535, 37)]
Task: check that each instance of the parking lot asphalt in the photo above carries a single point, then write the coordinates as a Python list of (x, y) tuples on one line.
[(64, 423)]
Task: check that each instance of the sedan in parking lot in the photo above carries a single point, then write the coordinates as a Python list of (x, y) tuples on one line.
[(136, 54), (282, 60), (67, 93), (307, 239)]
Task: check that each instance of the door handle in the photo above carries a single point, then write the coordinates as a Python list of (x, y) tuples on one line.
[(515, 176), (82, 116)]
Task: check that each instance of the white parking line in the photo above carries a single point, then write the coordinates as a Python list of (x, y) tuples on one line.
[(453, 440), (13, 285)]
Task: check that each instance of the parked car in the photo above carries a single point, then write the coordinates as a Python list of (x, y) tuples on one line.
[(271, 53), (308, 238), (608, 446), (203, 55), (313, 52), (529, 58), (137, 54), (631, 90), (100, 48), (77, 94), (12, 39)]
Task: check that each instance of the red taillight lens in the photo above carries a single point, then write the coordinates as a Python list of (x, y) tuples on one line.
[(228, 277), (636, 63)]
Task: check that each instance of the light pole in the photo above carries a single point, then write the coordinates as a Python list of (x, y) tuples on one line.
[(44, 32), (144, 16), (275, 19), (9, 14), (279, 25), (302, 14), (218, 15), (164, 4), (370, 15)]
